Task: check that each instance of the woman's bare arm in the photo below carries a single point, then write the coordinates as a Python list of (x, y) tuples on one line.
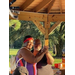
[(29, 57), (50, 59)]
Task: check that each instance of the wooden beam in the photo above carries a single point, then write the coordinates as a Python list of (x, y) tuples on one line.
[(56, 10), (50, 6), (47, 24), (39, 26), (56, 17), (53, 27), (60, 2), (29, 16), (41, 5), (26, 4)]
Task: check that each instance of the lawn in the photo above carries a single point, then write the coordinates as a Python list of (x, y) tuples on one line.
[(14, 52)]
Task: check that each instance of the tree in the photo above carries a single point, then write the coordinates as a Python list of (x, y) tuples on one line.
[(61, 39), (57, 38), (15, 24)]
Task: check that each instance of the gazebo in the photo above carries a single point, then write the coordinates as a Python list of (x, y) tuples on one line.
[(45, 11)]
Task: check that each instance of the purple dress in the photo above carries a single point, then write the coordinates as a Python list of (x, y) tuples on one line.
[(29, 66)]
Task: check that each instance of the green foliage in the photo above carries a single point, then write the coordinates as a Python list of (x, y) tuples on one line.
[(15, 24)]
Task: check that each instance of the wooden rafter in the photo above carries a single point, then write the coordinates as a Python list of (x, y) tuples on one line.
[(50, 6), (54, 26), (41, 5), (26, 4), (39, 26)]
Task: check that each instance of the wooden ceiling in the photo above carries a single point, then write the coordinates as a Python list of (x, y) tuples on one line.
[(41, 10), (41, 6)]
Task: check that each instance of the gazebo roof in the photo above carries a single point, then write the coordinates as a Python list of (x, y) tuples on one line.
[(41, 6), (49, 7)]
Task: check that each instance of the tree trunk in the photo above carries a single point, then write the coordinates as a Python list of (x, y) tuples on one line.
[(59, 51), (59, 48)]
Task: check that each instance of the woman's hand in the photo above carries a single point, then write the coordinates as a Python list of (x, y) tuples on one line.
[(45, 49)]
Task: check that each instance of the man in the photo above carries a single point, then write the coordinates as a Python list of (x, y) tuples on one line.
[(43, 66), (26, 58)]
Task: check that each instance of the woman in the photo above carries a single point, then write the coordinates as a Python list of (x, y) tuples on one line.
[(26, 58), (44, 65)]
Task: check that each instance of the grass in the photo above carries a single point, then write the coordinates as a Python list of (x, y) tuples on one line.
[(14, 52)]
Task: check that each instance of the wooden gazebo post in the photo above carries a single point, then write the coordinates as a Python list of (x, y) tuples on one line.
[(47, 26)]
